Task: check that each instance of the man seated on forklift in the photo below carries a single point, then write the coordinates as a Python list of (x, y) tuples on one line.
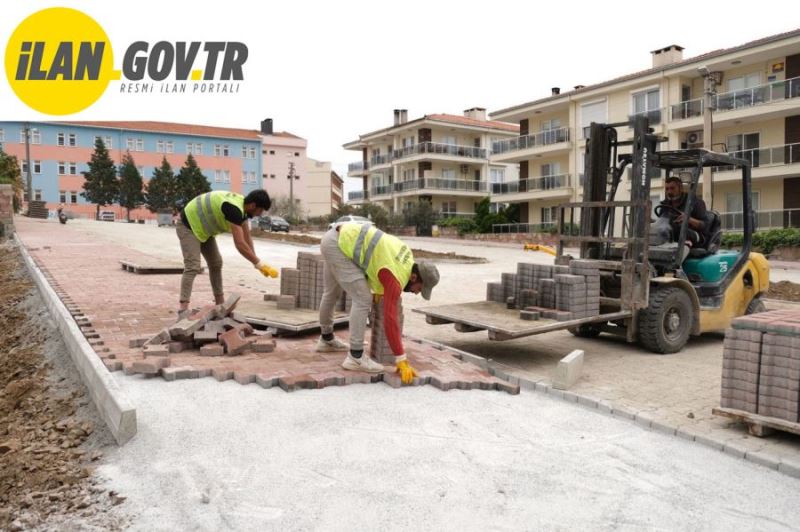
[(675, 209)]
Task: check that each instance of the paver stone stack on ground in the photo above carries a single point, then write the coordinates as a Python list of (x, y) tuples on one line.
[(761, 366), (211, 329), (550, 292), (379, 348), (6, 210), (303, 286)]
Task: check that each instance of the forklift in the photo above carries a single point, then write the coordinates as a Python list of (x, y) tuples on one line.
[(648, 292), (670, 298)]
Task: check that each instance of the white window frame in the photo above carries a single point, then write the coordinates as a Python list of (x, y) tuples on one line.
[(169, 146), (140, 144), (755, 201), (644, 91), (36, 136), (37, 194), (447, 138), (130, 143), (73, 196), (72, 140), (73, 168), (554, 168), (583, 105), (2, 135), (62, 168), (37, 167), (226, 150), (217, 176), (62, 196), (446, 173), (550, 125), (106, 141), (244, 152), (497, 175), (742, 134), (744, 78), (159, 146), (226, 176), (61, 139)]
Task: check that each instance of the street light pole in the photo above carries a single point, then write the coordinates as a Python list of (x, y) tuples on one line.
[(291, 191), (710, 80), (29, 176)]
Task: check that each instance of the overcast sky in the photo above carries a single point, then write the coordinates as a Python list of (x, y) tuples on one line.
[(330, 70)]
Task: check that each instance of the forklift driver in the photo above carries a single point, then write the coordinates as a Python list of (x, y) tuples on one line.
[(675, 209)]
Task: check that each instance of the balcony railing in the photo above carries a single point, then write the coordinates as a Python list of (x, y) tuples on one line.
[(358, 166), (654, 116), (380, 190), (377, 160), (357, 195), (535, 184), (436, 183), (769, 92), (440, 149), (728, 101), (687, 109), (766, 156), (544, 227), (777, 219), (543, 138)]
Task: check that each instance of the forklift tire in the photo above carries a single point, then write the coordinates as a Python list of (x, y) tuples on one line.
[(585, 331), (756, 305), (665, 325)]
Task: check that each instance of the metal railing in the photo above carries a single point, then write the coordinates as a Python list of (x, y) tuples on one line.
[(436, 183), (380, 190), (687, 109), (440, 149), (542, 138), (760, 94), (357, 195), (377, 160), (451, 214), (654, 116), (777, 219), (535, 184), (728, 101), (358, 166), (543, 227), (766, 156)]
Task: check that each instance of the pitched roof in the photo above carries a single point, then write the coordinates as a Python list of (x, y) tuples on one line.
[(463, 120), (655, 70), (172, 127)]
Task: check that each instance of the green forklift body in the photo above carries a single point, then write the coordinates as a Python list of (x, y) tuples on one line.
[(710, 269)]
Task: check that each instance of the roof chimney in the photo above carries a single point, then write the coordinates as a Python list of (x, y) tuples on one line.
[(579, 87), (476, 113), (266, 126), (667, 56), (555, 91), (403, 116), (397, 117)]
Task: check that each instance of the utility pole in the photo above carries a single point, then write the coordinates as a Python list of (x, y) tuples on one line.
[(291, 190), (28, 175), (710, 81)]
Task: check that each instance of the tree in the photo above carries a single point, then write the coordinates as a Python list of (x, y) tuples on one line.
[(191, 182), (10, 174), (282, 207), (131, 194), (421, 215), (162, 190), (100, 185)]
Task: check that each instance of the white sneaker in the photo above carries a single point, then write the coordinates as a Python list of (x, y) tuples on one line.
[(328, 346), (365, 363)]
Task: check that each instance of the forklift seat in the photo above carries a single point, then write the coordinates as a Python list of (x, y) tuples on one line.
[(711, 246)]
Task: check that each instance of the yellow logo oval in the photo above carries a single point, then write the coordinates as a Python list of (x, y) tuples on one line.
[(59, 61)]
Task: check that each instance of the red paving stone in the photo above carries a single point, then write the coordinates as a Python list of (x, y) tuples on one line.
[(114, 308)]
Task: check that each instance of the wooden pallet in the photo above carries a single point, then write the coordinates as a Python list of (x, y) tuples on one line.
[(297, 320), (758, 425), (152, 266)]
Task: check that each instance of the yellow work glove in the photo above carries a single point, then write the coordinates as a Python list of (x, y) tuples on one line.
[(266, 270), (407, 373)]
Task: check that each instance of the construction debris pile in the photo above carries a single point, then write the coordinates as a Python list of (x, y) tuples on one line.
[(302, 287), (543, 291), (761, 365), (211, 329)]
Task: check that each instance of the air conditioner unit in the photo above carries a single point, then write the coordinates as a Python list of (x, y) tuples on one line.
[(694, 139)]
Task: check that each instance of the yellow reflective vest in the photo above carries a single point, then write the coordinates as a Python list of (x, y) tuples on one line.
[(373, 250), (205, 216)]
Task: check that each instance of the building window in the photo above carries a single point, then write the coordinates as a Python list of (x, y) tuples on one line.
[(647, 103), (73, 169), (222, 150), (745, 146), (106, 141), (245, 176), (37, 194), (36, 136), (61, 138), (410, 174), (744, 82), (593, 112), (73, 197), (244, 152), (160, 146), (226, 176), (24, 167), (37, 167), (272, 176), (448, 173), (297, 154), (448, 208), (253, 152), (169, 146), (217, 176), (73, 139), (194, 148), (497, 175), (62, 168), (733, 201), (272, 152), (253, 177), (449, 140), (141, 170), (62, 196), (134, 144), (549, 215)]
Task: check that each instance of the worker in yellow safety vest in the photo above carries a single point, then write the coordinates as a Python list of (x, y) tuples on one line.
[(363, 260), (202, 219)]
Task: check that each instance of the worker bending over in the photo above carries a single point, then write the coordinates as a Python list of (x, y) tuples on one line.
[(363, 260)]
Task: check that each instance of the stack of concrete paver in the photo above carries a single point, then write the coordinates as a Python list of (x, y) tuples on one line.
[(551, 292), (761, 365), (379, 348), (303, 286), (211, 329), (6, 210)]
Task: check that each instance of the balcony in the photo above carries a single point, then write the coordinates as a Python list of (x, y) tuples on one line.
[(448, 186), (758, 95), (687, 109), (520, 148), (380, 160), (357, 168), (768, 161), (380, 190), (550, 186), (357, 196), (544, 227), (777, 219), (436, 148), (654, 116)]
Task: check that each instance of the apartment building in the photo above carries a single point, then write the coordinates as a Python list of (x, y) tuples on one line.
[(754, 103), (284, 155), (324, 189), (441, 158), (60, 151)]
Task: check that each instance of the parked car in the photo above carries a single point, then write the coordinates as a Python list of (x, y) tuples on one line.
[(273, 223), (349, 218), (107, 216)]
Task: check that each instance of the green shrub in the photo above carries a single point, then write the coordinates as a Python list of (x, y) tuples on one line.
[(765, 241)]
